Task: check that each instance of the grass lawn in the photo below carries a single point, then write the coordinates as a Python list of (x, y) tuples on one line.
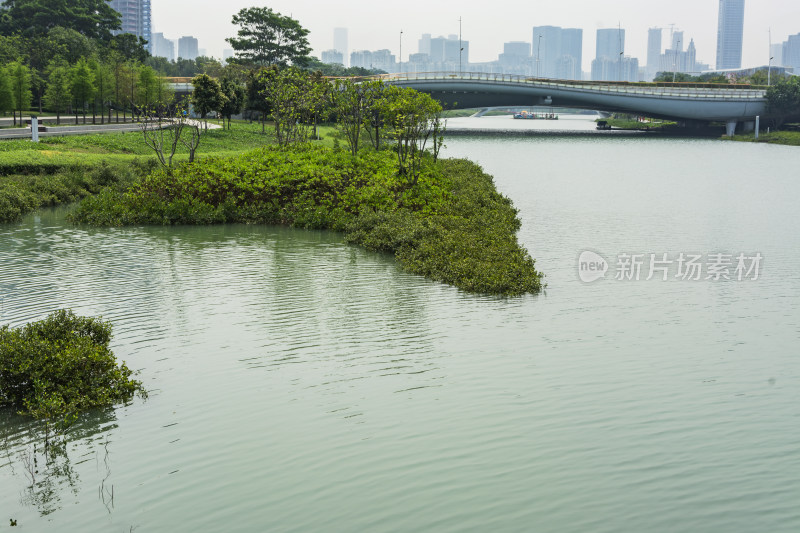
[(788, 138)]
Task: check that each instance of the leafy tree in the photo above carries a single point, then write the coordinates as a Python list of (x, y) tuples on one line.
[(256, 87), (678, 77), (233, 102), (339, 71), (20, 77), (103, 87), (59, 90), (349, 101), (285, 91), (412, 118), (130, 46), (66, 44), (82, 87), (374, 117), (269, 38), (11, 48), (129, 89), (783, 100), (207, 95), (148, 87), (117, 66), (6, 92), (92, 18)]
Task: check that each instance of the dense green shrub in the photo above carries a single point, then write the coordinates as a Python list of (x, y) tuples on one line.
[(60, 366), (451, 226), (20, 194)]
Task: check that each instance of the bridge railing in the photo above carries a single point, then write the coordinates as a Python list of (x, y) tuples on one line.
[(688, 90)]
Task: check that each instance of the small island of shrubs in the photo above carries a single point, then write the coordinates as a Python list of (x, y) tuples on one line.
[(58, 367), (451, 225), (443, 219)]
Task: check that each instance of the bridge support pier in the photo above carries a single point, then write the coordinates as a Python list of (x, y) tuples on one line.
[(730, 128), (748, 127)]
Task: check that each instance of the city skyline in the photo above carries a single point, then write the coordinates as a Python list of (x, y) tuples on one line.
[(372, 27)]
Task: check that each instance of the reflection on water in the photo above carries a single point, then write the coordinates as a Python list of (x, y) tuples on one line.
[(300, 384)]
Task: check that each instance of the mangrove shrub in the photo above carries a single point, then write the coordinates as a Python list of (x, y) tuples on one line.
[(58, 367)]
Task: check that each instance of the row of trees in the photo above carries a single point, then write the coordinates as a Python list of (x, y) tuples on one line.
[(88, 86), (298, 100)]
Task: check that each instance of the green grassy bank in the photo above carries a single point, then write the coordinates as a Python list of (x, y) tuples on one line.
[(60, 170), (451, 225), (787, 138)]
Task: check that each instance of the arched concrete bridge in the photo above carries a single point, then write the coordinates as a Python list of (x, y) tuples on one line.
[(681, 101)]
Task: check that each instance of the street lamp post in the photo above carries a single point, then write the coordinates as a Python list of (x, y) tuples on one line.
[(675, 61), (538, 54), (460, 46), (771, 57), (401, 51)]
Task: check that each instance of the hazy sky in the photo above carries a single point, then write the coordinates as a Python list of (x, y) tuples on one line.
[(486, 25)]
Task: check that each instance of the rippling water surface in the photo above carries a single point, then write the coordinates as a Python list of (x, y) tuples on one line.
[(300, 384)]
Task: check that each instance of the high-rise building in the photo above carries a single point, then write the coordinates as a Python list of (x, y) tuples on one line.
[(791, 53), (611, 63), (332, 57), (446, 52), (610, 43), (675, 59), (677, 41), (571, 54), (340, 43), (187, 48), (160, 46), (776, 53), (135, 17), (654, 36), (729, 34), (424, 44), (516, 58), (557, 52)]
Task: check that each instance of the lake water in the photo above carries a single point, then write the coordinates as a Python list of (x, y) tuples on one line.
[(301, 384)]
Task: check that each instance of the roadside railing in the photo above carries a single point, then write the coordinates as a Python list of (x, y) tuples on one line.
[(678, 89)]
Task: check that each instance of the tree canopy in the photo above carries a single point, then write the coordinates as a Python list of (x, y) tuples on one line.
[(93, 18), (269, 38), (783, 99)]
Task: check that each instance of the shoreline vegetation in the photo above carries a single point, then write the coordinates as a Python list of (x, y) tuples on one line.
[(784, 138), (450, 226), (376, 176)]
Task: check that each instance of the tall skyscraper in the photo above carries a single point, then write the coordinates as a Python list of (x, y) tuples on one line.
[(340, 43), (611, 64), (557, 52), (610, 43), (332, 57), (135, 17), (654, 36), (424, 44), (187, 48), (729, 34), (160, 46), (791, 53), (677, 41)]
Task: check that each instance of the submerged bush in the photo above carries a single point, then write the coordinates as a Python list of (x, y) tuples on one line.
[(58, 367)]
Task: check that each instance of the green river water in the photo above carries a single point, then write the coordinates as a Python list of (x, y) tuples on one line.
[(301, 384)]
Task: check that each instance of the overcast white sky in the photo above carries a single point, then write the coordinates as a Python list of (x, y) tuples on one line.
[(375, 24)]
